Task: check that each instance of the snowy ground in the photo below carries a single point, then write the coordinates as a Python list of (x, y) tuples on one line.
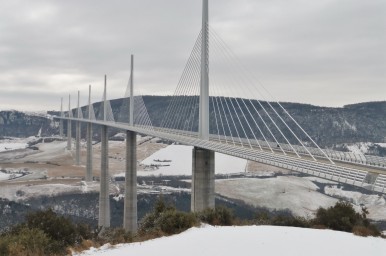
[(296, 194), (179, 162), (376, 204), (14, 143), (251, 240)]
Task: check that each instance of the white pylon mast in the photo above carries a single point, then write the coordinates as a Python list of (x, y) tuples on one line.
[(61, 107), (69, 106), (203, 123), (131, 118), (78, 106), (105, 103), (89, 101)]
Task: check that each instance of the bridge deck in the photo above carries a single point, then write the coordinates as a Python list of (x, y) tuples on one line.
[(342, 171)]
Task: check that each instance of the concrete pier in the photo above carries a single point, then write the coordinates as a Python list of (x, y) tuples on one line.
[(202, 180), (130, 207), (61, 128), (77, 144), (61, 120), (77, 134), (69, 139), (89, 165), (104, 200)]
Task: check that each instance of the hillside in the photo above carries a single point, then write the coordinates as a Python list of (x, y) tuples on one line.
[(363, 122)]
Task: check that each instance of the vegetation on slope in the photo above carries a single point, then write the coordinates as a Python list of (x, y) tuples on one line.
[(46, 233)]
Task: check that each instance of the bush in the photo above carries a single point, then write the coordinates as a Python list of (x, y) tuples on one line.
[(282, 220), (365, 231), (219, 216), (43, 233), (290, 221), (166, 220), (343, 217), (56, 227), (26, 242), (115, 236), (174, 222)]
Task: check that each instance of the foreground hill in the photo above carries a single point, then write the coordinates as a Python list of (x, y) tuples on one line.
[(251, 240)]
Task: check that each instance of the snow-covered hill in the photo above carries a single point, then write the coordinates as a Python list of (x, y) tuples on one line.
[(251, 240)]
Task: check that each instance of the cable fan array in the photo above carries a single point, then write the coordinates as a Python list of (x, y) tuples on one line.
[(246, 122)]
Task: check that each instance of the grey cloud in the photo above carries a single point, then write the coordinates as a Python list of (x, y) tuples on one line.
[(321, 52)]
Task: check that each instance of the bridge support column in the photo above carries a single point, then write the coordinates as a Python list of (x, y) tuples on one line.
[(202, 180), (89, 153), (61, 128), (69, 139), (104, 200), (130, 207), (77, 144)]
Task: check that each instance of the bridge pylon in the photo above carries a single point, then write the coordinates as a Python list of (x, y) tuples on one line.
[(130, 204), (202, 196), (203, 126), (89, 162), (104, 199), (69, 139)]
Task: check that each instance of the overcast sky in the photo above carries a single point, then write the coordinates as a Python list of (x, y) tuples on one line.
[(325, 52)]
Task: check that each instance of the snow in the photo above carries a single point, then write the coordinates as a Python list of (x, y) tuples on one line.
[(5, 146), (383, 145), (376, 204), (11, 192), (4, 176), (10, 175), (250, 240), (181, 162), (292, 193), (359, 148)]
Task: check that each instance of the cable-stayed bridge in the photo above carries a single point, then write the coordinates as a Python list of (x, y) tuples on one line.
[(214, 114)]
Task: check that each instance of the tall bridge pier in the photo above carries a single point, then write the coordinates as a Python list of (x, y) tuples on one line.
[(130, 203), (89, 164), (61, 120), (77, 139), (69, 124), (202, 180), (104, 199)]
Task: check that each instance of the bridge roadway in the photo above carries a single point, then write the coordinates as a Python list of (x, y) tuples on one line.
[(342, 171)]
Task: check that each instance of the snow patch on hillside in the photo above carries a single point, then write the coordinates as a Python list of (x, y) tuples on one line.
[(376, 204)]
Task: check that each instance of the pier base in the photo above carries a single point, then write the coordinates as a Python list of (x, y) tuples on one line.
[(89, 164), (104, 200), (130, 206), (202, 180)]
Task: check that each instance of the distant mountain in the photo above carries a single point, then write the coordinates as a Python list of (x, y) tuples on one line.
[(327, 126)]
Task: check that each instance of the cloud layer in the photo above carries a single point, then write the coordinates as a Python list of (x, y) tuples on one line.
[(328, 52)]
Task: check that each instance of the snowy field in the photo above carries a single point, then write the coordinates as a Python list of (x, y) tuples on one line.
[(7, 176), (181, 162), (6, 146), (376, 204), (292, 193), (251, 240)]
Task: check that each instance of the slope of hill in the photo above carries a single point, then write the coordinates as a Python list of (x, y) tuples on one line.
[(251, 240), (363, 122)]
